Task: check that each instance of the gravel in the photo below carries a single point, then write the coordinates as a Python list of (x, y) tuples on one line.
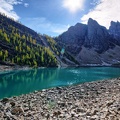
[(98, 100)]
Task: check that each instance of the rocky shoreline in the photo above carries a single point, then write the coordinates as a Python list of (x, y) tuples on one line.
[(98, 100), (4, 68)]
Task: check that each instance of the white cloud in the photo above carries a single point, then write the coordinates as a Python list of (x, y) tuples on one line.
[(14, 2), (95, 2), (6, 7), (26, 4), (44, 26), (73, 5), (104, 12)]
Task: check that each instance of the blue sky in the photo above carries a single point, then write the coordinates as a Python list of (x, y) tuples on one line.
[(53, 17)]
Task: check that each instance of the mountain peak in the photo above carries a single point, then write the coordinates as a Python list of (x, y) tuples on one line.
[(114, 30), (92, 22), (77, 26), (113, 22)]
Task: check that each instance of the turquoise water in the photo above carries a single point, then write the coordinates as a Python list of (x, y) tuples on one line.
[(19, 82)]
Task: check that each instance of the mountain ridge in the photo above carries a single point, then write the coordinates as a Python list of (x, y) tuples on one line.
[(95, 39)]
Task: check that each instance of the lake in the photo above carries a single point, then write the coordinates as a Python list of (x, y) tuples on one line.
[(14, 83)]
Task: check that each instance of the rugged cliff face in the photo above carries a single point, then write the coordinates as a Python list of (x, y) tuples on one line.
[(97, 36), (74, 38), (91, 36), (114, 30), (92, 43)]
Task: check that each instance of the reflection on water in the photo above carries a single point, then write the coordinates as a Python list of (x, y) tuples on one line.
[(25, 81)]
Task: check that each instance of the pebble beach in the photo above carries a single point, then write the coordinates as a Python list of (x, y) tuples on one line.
[(99, 100)]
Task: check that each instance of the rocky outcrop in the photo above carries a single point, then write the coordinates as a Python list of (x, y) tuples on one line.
[(114, 30), (75, 34), (97, 36), (74, 38)]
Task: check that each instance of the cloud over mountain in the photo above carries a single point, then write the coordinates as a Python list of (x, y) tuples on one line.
[(104, 12), (7, 7)]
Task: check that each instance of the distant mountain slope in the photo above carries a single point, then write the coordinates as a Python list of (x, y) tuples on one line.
[(21, 29), (92, 43)]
